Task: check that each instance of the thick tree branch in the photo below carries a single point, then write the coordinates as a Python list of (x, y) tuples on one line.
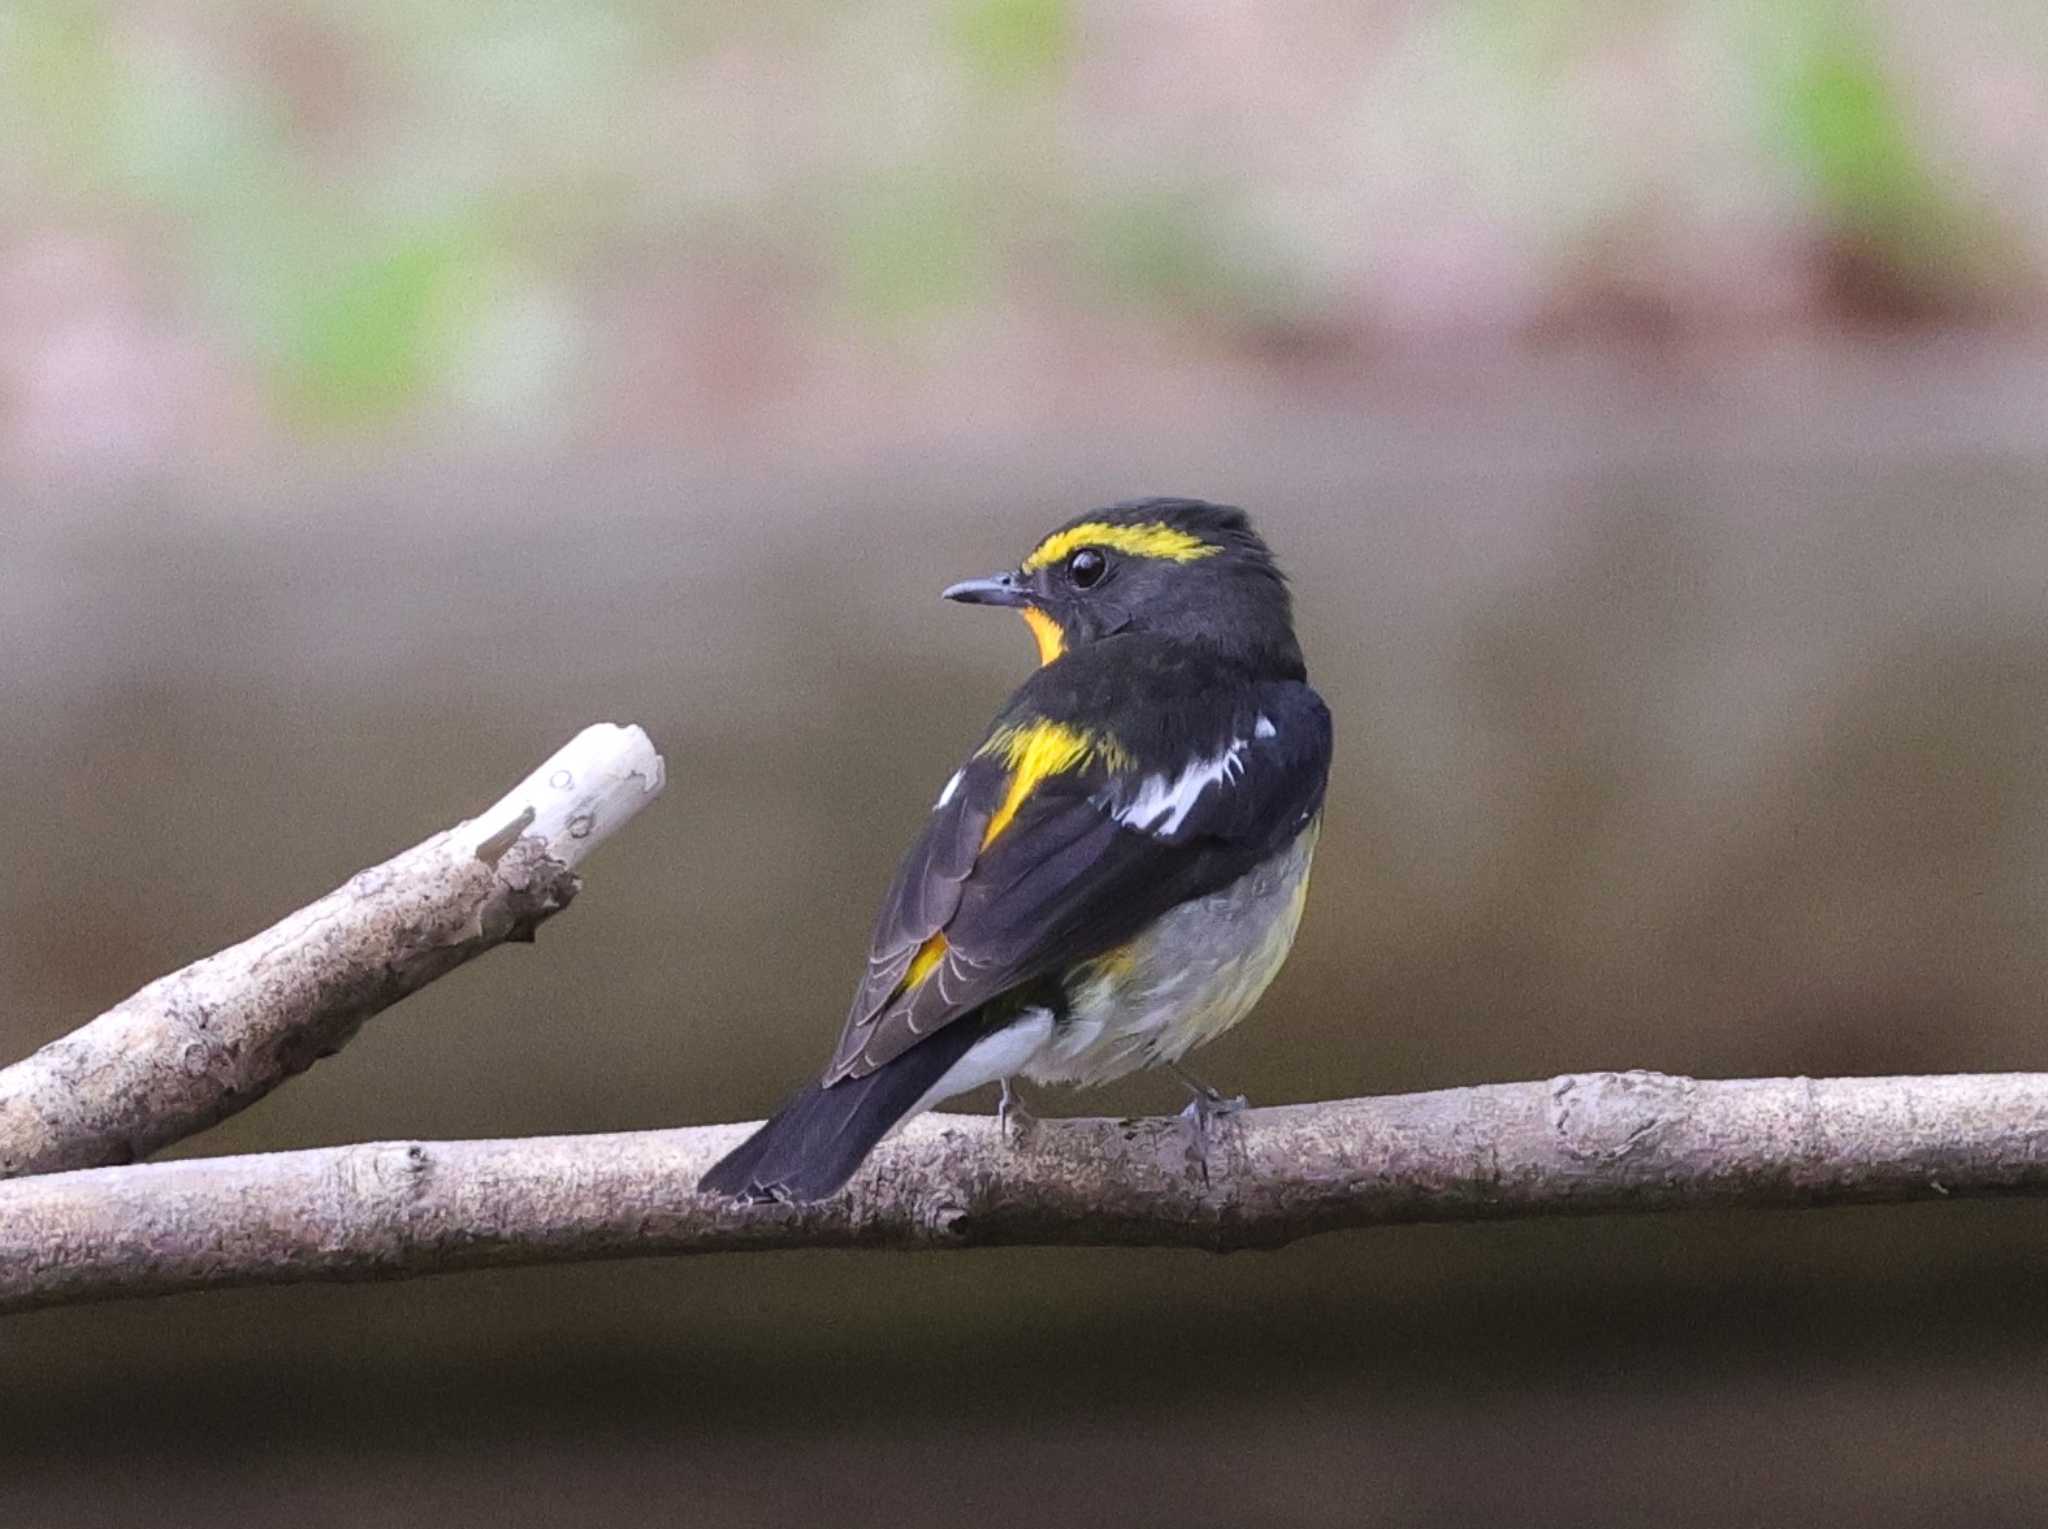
[(196, 1046), (1588, 1143)]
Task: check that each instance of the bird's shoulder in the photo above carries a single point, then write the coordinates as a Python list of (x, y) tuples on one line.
[(1152, 703)]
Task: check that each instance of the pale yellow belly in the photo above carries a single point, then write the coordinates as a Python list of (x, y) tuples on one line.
[(1193, 974)]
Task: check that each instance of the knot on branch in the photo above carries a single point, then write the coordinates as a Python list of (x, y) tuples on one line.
[(1606, 1116), (383, 1175)]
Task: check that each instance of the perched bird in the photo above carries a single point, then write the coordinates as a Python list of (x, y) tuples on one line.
[(1115, 874)]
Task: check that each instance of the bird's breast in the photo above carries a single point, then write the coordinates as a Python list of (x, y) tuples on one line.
[(1189, 976)]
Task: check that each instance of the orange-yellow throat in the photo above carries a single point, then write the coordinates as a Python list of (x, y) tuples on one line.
[(1046, 633)]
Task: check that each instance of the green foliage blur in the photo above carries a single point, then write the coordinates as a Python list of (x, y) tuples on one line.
[(372, 216)]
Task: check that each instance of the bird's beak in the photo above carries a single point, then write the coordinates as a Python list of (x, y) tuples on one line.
[(998, 589)]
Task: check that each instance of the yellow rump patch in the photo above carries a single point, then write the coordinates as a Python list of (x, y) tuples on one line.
[(1152, 538), (1114, 964), (1045, 631), (1033, 751)]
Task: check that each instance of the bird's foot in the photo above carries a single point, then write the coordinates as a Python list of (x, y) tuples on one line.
[(1013, 1121), (1205, 1107), (1205, 1103)]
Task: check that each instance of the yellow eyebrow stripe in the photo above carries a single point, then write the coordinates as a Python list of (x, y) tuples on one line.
[(1033, 751), (1152, 538)]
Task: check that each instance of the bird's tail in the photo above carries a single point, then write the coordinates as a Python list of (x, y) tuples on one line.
[(810, 1147)]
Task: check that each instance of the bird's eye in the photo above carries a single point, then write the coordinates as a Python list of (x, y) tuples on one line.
[(1087, 567)]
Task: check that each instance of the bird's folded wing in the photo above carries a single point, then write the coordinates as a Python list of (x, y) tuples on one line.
[(1023, 870)]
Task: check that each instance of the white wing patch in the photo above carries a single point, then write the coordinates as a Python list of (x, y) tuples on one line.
[(1265, 728), (1160, 805), (946, 795)]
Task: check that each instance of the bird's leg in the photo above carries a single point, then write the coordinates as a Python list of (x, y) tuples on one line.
[(1010, 1108)]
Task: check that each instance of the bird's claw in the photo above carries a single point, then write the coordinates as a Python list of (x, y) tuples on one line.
[(1206, 1104), (1012, 1116)]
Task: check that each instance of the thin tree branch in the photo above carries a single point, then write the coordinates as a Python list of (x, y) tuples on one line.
[(1580, 1144), (196, 1046)]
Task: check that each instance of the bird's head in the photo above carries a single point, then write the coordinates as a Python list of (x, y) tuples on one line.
[(1179, 568)]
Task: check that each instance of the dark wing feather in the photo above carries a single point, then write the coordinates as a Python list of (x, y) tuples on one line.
[(926, 892), (1066, 880)]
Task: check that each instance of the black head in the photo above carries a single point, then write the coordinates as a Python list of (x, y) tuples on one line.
[(1178, 568)]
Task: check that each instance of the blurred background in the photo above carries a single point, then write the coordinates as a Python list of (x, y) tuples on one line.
[(1649, 399)]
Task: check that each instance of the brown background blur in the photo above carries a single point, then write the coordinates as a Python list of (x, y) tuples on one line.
[(1649, 401)]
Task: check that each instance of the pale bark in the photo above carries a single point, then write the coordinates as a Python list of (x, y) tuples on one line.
[(1580, 1144), (196, 1046)]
